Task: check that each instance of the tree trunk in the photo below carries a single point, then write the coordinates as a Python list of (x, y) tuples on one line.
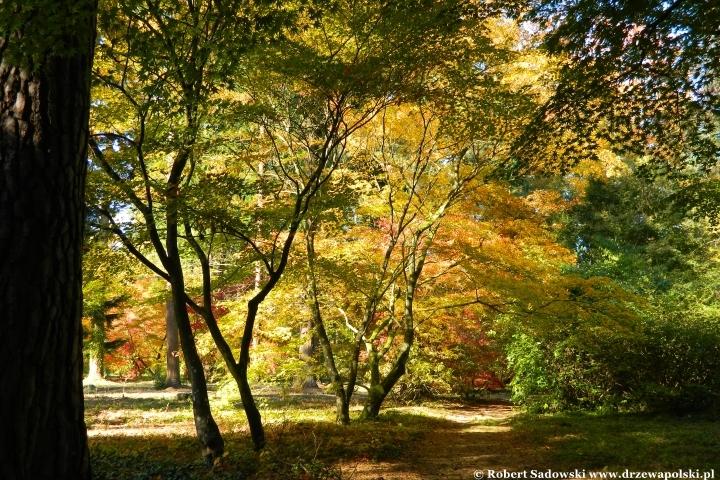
[(208, 433), (378, 392), (96, 352), (95, 369), (172, 376), (342, 401), (370, 308), (43, 146), (307, 353), (257, 431)]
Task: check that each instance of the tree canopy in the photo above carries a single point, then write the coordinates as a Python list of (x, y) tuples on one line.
[(642, 74)]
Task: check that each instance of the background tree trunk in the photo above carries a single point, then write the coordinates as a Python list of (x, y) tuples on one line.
[(172, 377), (307, 352), (43, 146), (95, 367), (96, 352)]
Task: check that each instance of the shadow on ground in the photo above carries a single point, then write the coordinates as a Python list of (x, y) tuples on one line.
[(152, 437), (406, 442)]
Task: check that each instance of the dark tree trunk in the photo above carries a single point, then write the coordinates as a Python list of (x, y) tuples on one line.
[(208, 433), (43, 139), (172, 376), (257, 431)]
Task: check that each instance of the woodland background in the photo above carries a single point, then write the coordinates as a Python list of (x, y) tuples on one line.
[(396, 202), (401, 178)]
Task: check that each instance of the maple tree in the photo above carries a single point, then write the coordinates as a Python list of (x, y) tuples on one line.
[(642, 75), (304, 111), (157, 67), (420, 161)]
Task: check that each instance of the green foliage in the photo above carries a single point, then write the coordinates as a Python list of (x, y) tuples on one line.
[(640, 74), (588, 372), (665, 356)]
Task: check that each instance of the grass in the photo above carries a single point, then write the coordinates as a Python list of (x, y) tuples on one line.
[(305, 443), (638, 442), (303, 440)]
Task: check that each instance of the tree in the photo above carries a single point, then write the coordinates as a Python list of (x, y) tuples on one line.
[(159, 64), (417, 162), (311, 93), (101, 310), (641, 73), (292, 107), (46, 49), (637, 232), (106, 275)]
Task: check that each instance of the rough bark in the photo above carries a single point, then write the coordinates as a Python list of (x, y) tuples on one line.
[(43, 146), (172, 339)]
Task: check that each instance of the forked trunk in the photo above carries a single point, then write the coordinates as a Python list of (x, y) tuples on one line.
[(378, 392), (208, 433)]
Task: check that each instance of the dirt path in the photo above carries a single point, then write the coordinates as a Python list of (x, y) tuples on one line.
[(466, 444)]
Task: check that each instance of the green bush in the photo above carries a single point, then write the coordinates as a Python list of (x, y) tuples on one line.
[(666, 366)]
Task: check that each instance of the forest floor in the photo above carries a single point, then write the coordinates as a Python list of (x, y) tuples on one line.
[(140, 433)]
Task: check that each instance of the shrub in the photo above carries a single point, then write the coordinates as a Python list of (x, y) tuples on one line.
[(666, 366)]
